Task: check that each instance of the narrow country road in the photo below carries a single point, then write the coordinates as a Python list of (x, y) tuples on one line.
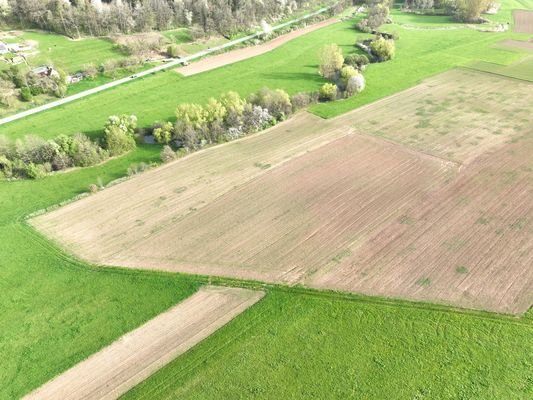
[(162, 67)]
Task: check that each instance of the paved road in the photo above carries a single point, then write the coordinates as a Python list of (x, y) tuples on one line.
[(171, 64)]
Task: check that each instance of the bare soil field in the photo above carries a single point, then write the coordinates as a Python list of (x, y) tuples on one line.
[(457, 115), (523, 21), (518, 44), (424, 195), (234, 56), (117, 368)]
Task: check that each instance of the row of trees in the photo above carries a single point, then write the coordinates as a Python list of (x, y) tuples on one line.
[(33, 157), (101, 17), (463, 10), (227, 118)]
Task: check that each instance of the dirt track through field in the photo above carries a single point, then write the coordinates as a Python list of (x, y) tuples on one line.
[(234, 56), (523, 20), (423, 195), (137, 355)]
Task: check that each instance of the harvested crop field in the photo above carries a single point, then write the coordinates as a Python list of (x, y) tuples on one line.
[(431, 213), (234, 56), (523, 21), (134, 357), (457, 115)]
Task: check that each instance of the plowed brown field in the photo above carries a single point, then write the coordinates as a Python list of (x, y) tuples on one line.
[(443, 214), (523, 21)]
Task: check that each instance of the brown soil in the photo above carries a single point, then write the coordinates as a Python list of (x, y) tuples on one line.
[(117, 368), (519, 44), (434, 212), (523, 21), (234, 56)]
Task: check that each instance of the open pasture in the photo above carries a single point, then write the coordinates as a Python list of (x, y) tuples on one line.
[(312, 202)]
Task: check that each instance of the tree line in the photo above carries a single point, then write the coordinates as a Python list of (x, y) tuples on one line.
[(75, 18)]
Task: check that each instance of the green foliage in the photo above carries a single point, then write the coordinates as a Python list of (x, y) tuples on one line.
[(356, 60), (215, 111), (190, 116), (117, 141), (383, 48), (163, 133), (347, 72), (277, 102), (470, 10), (331, 61), (172, 50), (328, 92), (25, 94), (233, 102), (167, 154)]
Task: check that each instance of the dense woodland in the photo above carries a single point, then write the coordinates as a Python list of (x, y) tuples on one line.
[(102, 17)]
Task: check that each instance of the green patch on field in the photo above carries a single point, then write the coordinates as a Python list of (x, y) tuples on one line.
[(292, 346), (519, 70)]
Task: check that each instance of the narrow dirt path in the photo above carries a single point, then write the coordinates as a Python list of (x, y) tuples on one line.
[(234, 56), (135, 356)]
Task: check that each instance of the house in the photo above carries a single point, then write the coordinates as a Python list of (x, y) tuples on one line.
[(44, 71), (3, 49)]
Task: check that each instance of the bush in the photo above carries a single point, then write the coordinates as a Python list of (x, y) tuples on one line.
[(137, 168), (254, 119), (90, 71), (118, 142), (328, 92), (25, 94), (6, 167), (163, 133), (355, 85), (382, 48), (190, 115), (93, 188), (167, 154), (172, 51), (346, 74), (356, 60), (35, 171), (277, 102), (470, 10), (302, 100), (84, 152), (233, 103), (331, 61)]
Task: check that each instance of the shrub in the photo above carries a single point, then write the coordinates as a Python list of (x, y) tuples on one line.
[(84, 152), (35, 171), (277, 102), (233, 103), (90, 71), (117, 141), (137, 168), (25, 94), (470, 10), (6, 167), (328, 92), (93, 188), (163, 133), (346, 74), (382, 48), (126, 123), (331, 61), (356, 60), (190, 115), (255, 118), (301, 100), (355, 85), (215, 111), (172, 50), (167, 154)]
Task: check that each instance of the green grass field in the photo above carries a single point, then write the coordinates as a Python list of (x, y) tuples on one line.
[(292, 67), (520, 70), (70, 55), (295, 343), (298, 346)]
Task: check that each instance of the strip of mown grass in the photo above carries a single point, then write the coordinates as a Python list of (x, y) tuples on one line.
[(293, 67), (298, 346)]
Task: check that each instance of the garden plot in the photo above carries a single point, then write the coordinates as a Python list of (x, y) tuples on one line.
[(523, 21), (457, 115)]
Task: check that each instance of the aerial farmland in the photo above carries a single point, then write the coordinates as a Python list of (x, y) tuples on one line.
[(330, 200)]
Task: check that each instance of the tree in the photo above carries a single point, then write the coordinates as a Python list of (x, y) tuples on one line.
[(163, 133), (215, 111), (470, 10), (331, 61), (233, 102), (167, 154), (328, 92), (382, 48), (118, 142), (347, 72), (191, 115)]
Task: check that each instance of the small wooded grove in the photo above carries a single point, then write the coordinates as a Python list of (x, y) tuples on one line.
[(219, 120), (102, 17)]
